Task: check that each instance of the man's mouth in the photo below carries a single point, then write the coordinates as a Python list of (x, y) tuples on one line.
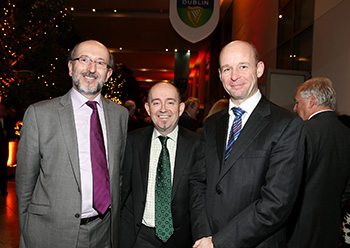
[(89, 76)]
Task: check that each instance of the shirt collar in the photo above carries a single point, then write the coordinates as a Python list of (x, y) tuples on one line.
[(318, 112), (248, 105), (172, 135), (78, 100)]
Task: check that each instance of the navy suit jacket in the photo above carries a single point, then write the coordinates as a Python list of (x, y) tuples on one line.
[(245, 201), (135, 181)]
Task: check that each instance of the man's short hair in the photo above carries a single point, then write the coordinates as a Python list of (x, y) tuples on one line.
[(191, 101), (321, 88), (71, 56)]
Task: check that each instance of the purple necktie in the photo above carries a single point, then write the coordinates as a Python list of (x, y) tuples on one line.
[(100, 177)]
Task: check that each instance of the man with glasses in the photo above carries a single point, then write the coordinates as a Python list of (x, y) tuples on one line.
[(69, 155), (188, 118)]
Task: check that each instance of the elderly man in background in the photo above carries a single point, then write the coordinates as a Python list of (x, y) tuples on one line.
[(188, 118), (316, 219)]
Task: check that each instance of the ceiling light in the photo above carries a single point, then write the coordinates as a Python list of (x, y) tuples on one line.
[(280, 16), (93, 10), (115, 11), (72, 8), (166, 49), (120, 48), (175, 50)]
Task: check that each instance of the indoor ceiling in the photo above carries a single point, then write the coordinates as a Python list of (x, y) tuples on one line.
[(138, 32)]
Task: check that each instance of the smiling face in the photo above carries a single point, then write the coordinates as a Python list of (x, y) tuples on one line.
[(239, 71), (164, 107), (89, 79)]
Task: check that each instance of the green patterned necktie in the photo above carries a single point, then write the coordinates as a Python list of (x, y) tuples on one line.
[(163, 217)]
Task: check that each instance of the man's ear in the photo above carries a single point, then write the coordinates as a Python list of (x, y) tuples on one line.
[(109, 74), (260, 68), (147, 108), (312, 101), (70, 65), (182, 108)]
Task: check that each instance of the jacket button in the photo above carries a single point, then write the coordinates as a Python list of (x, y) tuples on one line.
[(77, 215), (138, 225), (218, 190)]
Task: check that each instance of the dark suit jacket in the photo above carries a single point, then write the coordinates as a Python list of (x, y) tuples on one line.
[(245, 201), (48, 181), (317, 216), (188, 122), (134, 187)]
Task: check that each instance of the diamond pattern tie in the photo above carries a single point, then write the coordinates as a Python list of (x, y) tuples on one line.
[(235, 129), (100, 176), (163, 217)]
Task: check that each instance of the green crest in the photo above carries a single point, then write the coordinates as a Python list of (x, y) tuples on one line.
[(195, 13)]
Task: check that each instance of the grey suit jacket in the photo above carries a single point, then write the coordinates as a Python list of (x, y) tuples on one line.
[(245, 201), (135, 181), (48, 175)]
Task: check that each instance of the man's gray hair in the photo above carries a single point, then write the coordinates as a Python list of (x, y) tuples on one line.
[(321, 88)]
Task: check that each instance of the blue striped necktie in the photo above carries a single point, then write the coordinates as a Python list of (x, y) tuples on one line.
[(235, 129)]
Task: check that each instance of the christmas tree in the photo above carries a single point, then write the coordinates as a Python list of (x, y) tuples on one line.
[(35, 38)]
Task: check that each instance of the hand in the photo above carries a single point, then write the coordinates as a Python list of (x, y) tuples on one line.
[(204, 243)]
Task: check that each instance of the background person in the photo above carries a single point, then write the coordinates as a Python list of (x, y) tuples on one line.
[(316, 220), (188, 118)]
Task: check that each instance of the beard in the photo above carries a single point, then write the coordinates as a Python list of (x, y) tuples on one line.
[(86, 89)]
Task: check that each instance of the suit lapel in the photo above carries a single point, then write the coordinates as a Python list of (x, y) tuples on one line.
[(255, 124), (221, 135), (182, 148), (144, 156), (66, 117), (112, 134)]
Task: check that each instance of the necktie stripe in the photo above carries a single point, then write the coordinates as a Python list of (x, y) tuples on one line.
[(235, 129)]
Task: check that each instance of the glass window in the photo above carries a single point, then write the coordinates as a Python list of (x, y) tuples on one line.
[(303, 50), (285, 23), (284, 60), (304, 14)]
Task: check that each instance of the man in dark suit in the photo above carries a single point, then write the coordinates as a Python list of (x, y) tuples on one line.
[(242, 194), (316, 220), (138, 217), (188, 118), (56, 178)]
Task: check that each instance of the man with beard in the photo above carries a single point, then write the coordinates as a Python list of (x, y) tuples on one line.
[(69, 155), (141, 216)]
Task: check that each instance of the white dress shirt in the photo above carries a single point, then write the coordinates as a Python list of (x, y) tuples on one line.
[(248, 106), (156, 147), (82, 115)]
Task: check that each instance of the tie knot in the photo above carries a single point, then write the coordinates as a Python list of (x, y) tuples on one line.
[(92, 104), (163, 139), (238, 111)]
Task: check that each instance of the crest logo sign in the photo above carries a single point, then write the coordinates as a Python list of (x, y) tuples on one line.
[(194, 20)]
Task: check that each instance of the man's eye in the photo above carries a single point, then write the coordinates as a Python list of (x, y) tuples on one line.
[(100, 63), (226, 70), (84, 60)]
